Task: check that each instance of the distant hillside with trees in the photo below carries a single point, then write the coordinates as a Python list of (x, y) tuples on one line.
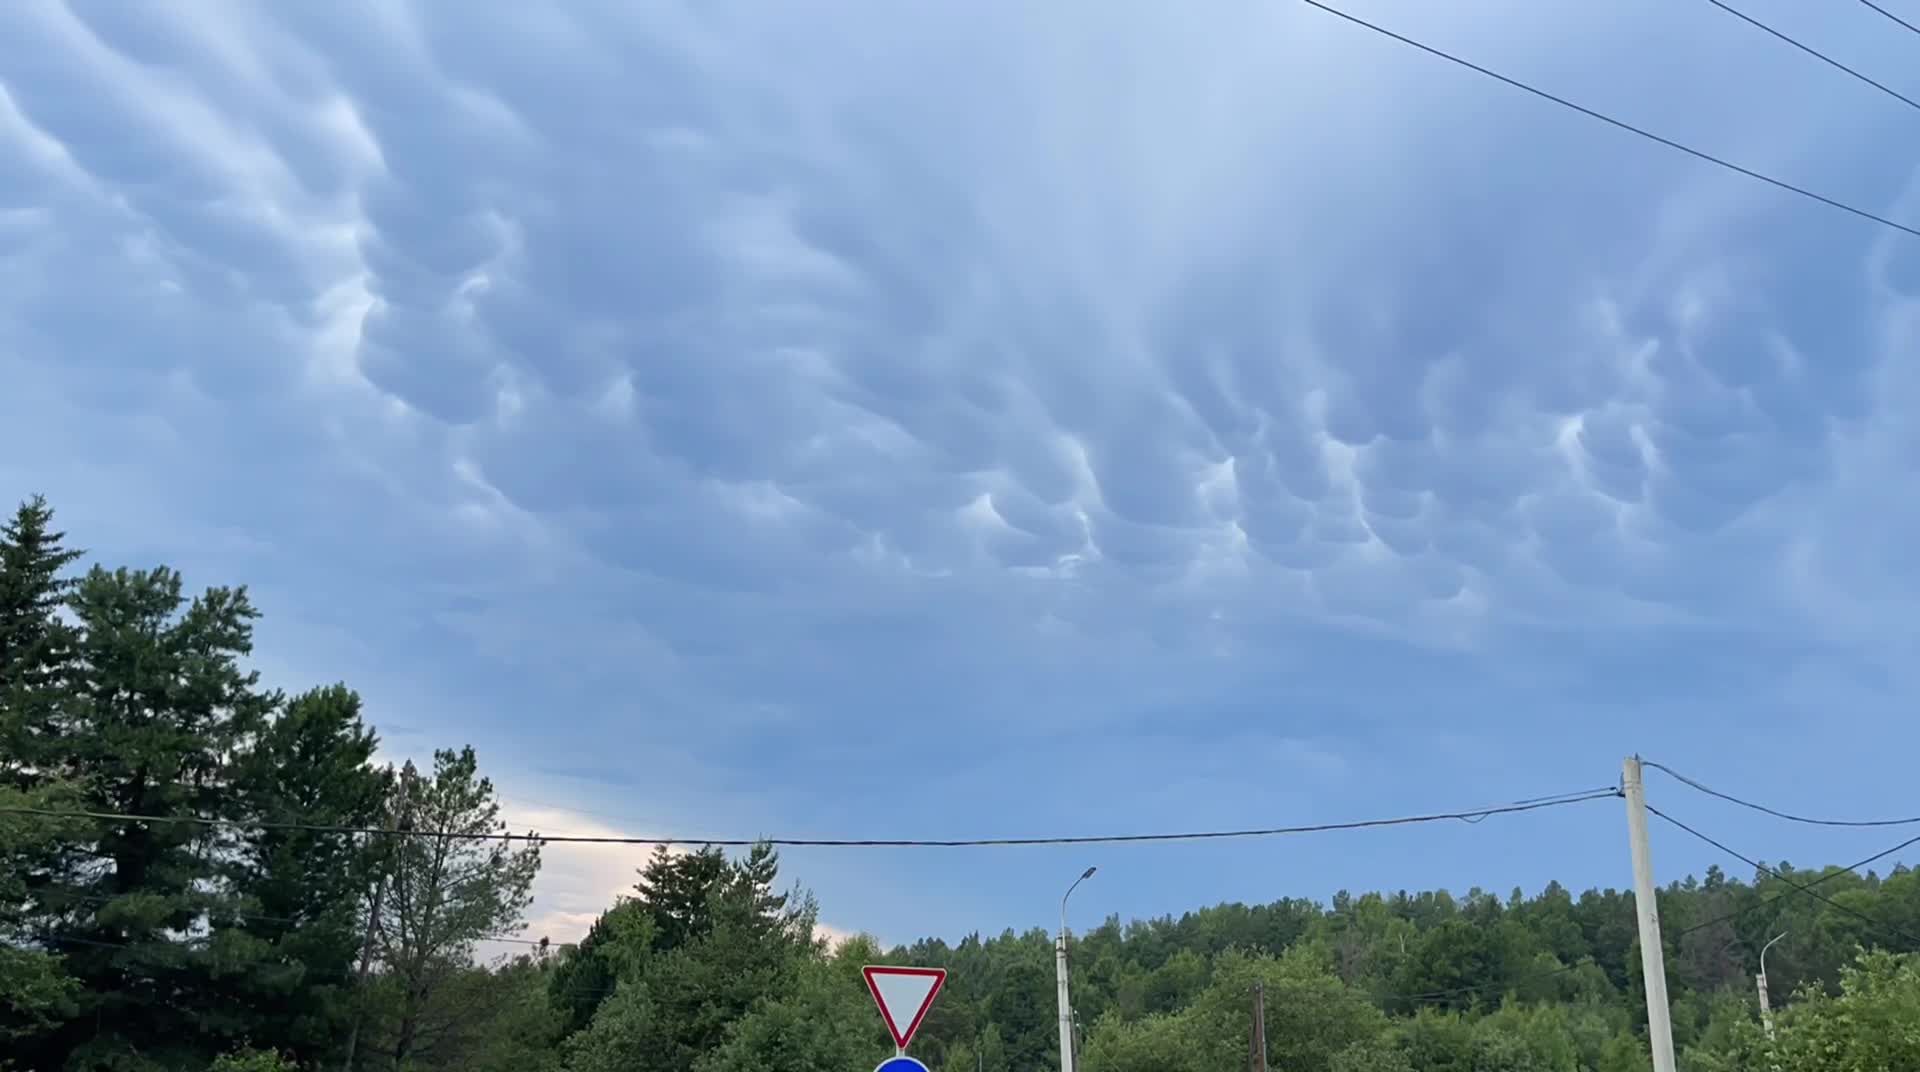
[(200, 872)]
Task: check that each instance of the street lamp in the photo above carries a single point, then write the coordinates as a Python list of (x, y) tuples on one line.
[(1766, 1009), (1060, 976), (1084, 875)]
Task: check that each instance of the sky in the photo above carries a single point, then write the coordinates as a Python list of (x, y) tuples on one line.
[(842, 420)]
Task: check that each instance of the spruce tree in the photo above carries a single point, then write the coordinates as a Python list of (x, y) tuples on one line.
[(297, 890), (158, 703), (36, 650), (36, 647)]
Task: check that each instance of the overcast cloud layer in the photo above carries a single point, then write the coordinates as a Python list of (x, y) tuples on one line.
[(822, 419)]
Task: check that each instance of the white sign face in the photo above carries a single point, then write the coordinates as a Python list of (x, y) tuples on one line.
[(904, 996)]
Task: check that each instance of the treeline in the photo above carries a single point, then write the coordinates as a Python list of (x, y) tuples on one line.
[(241, 925), (231, 919), (1430, 982)]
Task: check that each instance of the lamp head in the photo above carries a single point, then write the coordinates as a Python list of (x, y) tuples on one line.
[(1088, 873)]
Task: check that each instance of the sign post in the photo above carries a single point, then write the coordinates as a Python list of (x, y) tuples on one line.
[(904, 996)]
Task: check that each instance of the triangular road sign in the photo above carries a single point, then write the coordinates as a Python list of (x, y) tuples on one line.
[(904, 996)]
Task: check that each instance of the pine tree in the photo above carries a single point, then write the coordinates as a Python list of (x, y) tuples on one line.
[(678, 890), (745, 944), (36, 648), (158, 703), (36, 651), (298, 891)]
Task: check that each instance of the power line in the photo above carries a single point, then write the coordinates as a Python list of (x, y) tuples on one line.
[(1762, 808), (1791, 884), (1097, 839), (1618, 123), (1815, 53), (1828, 877), (1550, 802), (1891, 15)]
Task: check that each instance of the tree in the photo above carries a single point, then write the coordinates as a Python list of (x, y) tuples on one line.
[(820, 1023), (36, 653), (1872, 1025), (478, 1018), (678, 894), (673, 1007), (674, 893), (297, 887), (156, 705), (252, 1060), (454, 878), (36, 647), (584, 978), (36, 993), (1022, 1007)]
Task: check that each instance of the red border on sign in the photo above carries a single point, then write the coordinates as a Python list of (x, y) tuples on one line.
[(901, 1038)]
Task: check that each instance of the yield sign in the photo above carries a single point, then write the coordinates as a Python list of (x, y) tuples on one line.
[(904, 996)]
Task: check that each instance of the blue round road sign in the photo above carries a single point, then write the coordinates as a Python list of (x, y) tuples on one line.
[(902, 1063)]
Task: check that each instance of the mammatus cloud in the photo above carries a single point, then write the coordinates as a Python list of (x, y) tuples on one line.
[(730, 408)]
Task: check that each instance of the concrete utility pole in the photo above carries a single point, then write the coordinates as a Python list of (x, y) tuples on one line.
[(1766, 1007), (1257, 1043), (1653, 959), (1060, 977)]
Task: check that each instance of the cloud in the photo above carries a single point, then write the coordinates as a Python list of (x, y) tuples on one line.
[(578, 881), (722, 409)]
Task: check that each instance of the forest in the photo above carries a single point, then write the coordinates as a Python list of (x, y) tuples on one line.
[(199, 872)]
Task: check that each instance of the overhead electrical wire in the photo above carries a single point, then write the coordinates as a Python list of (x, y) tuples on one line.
[(1815, 53), (1472, 816), (1911, 26), (1617, 123), (1792, 886), (1776, 813)]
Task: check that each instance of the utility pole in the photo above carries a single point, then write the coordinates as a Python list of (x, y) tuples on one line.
[(1760, 980), (1060, 976), (1257, 1043), (1066, 1002), (1653, 959)]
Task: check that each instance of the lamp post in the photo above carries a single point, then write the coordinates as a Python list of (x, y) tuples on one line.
[(1060, 976), (1766, 1008)]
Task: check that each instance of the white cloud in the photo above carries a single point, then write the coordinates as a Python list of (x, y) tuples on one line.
[(577, 881)]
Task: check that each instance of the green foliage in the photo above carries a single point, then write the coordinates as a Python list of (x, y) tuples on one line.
[(252, 1060), (228, 922), (295, 913), (35, 993), (226, 931), (822, 1023), (679, 900), (157, 701), (36, 647), (454, 881), (722, 956), (1871, 1025)]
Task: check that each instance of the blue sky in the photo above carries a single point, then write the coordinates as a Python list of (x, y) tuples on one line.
[(1003, 418)]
